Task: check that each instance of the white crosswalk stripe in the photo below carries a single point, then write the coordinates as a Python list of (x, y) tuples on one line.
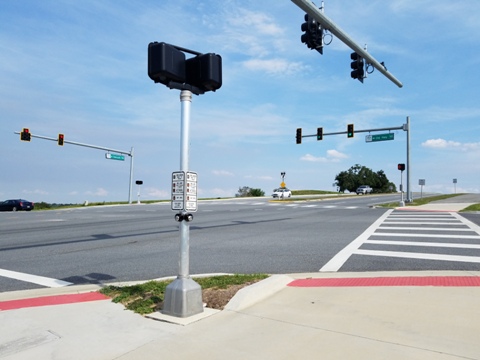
[(396, 230)]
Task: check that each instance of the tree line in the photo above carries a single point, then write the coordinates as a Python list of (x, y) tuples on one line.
[(360, 175)]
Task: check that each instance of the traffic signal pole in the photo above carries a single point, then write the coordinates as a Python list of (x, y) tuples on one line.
[(128, 153), (350, 134), (183, 296), (409, 192), (310, 8)]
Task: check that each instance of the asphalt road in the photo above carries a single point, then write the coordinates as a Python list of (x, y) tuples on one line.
[(138, 242)]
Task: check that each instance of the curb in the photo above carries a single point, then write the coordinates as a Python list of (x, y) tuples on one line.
[(257, 292)]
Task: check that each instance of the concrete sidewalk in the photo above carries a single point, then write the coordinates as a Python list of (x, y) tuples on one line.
[(452, 204), (268, 320)]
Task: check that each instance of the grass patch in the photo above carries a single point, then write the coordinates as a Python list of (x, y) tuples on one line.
[(474, 207), (148, 297), (312, 192), (422, 201)]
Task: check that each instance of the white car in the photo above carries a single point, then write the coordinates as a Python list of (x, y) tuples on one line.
[(282, 193), (364, 189)]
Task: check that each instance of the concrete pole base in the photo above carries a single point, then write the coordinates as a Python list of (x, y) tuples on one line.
[(183, 298)]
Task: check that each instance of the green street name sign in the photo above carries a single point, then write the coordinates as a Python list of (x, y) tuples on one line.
[(115, 156), (379, 137)]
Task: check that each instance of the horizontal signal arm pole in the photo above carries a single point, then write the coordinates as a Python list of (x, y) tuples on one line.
[(318, 15), (359, 131), (379, 129), (129, 153)]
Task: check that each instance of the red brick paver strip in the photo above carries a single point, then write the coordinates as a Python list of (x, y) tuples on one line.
[(389, 281)]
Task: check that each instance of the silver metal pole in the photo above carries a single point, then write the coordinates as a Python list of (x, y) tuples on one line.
[(186, 100), (318, 15), (402, 203), (409, 194), (183, 297), (131, 177)]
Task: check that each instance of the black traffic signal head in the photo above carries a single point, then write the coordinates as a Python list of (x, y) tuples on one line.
[(313, 34), (350, 131), (299, 136), (25, 135), (165, 63), (204, 72), (401, 167), (319, 133), (357, 66), (61, 137)]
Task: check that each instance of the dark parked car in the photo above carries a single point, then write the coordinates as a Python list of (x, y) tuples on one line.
[(15, 205)]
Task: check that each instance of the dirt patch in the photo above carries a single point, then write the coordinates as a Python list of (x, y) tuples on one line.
[(218, 298)]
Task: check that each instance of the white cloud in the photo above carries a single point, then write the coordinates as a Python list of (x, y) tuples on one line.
[(98, 192), (260, 177), (336, 154), (155, 193), (448, 144), (309, 157), (35, 192), (222, 173), (259, 22), (332, 156), (274, 66)]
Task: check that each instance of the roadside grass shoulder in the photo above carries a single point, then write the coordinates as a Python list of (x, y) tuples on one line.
[(148, 297), (421, 201), (312, 192), (474, 207)]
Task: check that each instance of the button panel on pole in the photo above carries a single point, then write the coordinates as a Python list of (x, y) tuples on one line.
[(184, 191)]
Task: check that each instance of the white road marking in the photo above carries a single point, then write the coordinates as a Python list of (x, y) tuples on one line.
[(423, 256), (422, 228), (34, 279), (338, 260), (428, 235), (467, 222), (428, 244), (440, 222), (382, 224)]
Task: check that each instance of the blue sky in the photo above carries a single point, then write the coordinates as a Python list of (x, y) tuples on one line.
[(80, 68)]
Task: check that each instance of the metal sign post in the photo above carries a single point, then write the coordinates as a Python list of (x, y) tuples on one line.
[(421, 182), (183, 297), (402, 202)]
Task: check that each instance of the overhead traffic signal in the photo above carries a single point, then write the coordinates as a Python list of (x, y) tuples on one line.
[(313, 34), (401, 167), (204, 71), (357, 65), (25, 135), (60, 139), (168, 65), (319, 133), (350, 131), (299, 135)]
